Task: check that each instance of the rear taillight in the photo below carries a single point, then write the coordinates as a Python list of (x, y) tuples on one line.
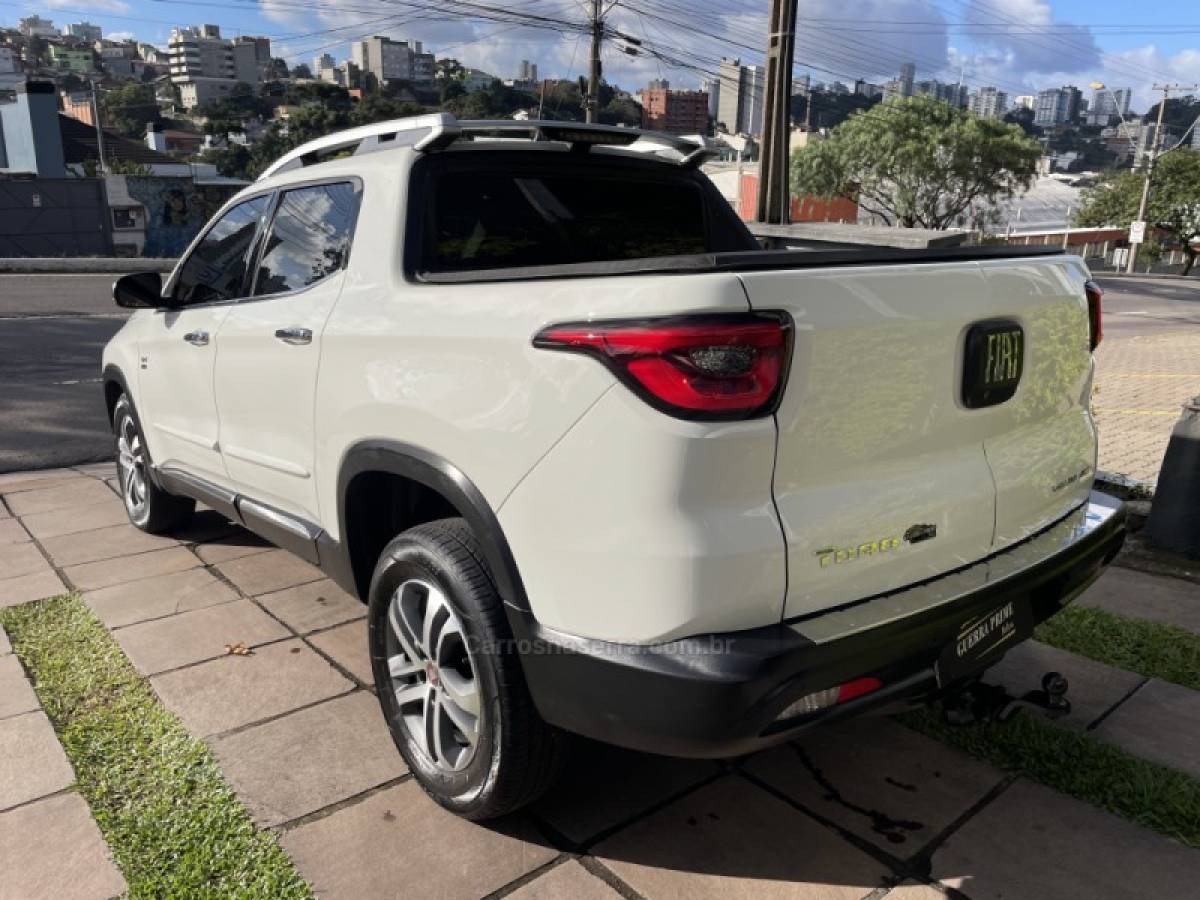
[(691, 367), (1094, 296), (834, 696)]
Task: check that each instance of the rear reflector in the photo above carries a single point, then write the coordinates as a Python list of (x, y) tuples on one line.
[(819, 700), (1094, 297), (691, 367)]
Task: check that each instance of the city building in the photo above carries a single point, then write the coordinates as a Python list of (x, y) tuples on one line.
[(1057, 106), (78, 106), (200, 52), (197, 92), (391, 60), (989, 103), (71, 59), (325, 68), (252, 58), (1024, 101), (527, 71), (712, 87), (84, 31), (954, 94), (740, 106), (36, 26), (677, 112), (9, 64), (908, 74), (867, 89), (1108, 106), (802, 85), (476, 80), (153, 55)]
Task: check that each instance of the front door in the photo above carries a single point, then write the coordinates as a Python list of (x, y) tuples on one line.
[(268, 348), (178, 348)]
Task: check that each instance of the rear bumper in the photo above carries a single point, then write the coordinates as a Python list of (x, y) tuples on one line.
[(721, 694)]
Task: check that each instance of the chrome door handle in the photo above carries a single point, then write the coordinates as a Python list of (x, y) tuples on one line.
[(294, 335), (196, 338)]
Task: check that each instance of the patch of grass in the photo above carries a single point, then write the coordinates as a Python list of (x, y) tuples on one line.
[(1146, 793), (175, 827), (1148, 648)]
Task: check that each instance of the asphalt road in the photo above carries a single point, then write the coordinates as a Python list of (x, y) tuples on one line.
[(53, 328), (52, 331)]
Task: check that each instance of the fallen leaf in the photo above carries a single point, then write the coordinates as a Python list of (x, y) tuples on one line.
[(238, 649)]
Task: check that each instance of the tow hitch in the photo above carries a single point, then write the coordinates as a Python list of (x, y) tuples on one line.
[(976, 702)]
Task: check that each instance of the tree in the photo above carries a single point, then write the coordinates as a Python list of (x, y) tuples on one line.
[(231, 160), (1022, 116), (130, 108), (1174, 201), (918, 162), (302, 71)]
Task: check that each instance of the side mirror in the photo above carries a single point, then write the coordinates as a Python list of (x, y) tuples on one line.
[(139, 290)]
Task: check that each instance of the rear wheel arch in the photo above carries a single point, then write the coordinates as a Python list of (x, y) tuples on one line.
[(386, 487)]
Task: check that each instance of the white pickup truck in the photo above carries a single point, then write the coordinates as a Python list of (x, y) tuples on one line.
[(596, 462)]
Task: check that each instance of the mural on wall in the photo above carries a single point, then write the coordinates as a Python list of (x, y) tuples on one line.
[(176, 210)]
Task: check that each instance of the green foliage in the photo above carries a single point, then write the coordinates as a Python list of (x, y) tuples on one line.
[(1148, 648), (1146, 793), (129, 109), (174, 826), (1022, 117), (828, 109), (230, 114), (918, 162), (1174, 200), (231, 160)]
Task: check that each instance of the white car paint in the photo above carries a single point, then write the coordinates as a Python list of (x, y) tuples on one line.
[(627, 524)]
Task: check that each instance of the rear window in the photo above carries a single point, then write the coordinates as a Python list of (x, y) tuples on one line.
[(497, 220)]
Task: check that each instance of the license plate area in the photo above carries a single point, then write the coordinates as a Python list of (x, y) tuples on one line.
[(982, 639), (993, 362)]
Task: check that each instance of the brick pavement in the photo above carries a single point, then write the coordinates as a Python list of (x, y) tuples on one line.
[(1140, 384), (862, 809)]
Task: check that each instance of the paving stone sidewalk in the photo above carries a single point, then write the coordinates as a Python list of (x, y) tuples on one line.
[(1141, 382), (864, 809)]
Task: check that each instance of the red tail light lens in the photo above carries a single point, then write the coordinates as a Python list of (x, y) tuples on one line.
[(1094, 296), (693, 367)]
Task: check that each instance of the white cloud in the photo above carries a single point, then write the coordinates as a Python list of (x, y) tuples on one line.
[(99, 6)]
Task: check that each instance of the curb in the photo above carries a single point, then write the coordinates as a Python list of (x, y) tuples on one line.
[(85, 265), (1154, 276)]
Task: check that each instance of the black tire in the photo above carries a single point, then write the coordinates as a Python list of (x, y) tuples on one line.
[(149, 507), (515, 755)]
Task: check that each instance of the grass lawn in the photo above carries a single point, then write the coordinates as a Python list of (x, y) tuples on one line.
[(1149, 794), (1136, 645), (174, 826)]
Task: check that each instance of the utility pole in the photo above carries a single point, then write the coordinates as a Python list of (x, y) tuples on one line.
[(773, 190), (591, 103), (99, 129), (1155, 148)]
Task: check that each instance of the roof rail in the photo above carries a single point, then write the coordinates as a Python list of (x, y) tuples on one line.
[(439, 130)]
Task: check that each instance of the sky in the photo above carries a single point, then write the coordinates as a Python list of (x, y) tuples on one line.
[(1018, 46)]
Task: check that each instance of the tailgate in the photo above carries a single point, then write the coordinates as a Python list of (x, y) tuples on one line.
[(884, 477)]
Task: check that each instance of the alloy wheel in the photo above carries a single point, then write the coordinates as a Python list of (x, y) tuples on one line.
[(433, 675), (131, 462)]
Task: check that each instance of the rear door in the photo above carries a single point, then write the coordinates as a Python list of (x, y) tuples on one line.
[(881, 478), (931, 416), (269, 346), (1041, 444)]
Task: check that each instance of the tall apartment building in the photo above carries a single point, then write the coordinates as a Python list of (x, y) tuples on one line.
[(677, 112), (1025, 101), (36, 26), (989, 103), (1057, 106), (712, 87), (527, 71), (908, 74), (954, 94), (206, 66), (1108, 106), (740, 105), (390, 60), (85, 31)]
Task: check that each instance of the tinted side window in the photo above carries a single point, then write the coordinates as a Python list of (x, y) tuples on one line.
[(309, 237), (485, 220), (217, 267)]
